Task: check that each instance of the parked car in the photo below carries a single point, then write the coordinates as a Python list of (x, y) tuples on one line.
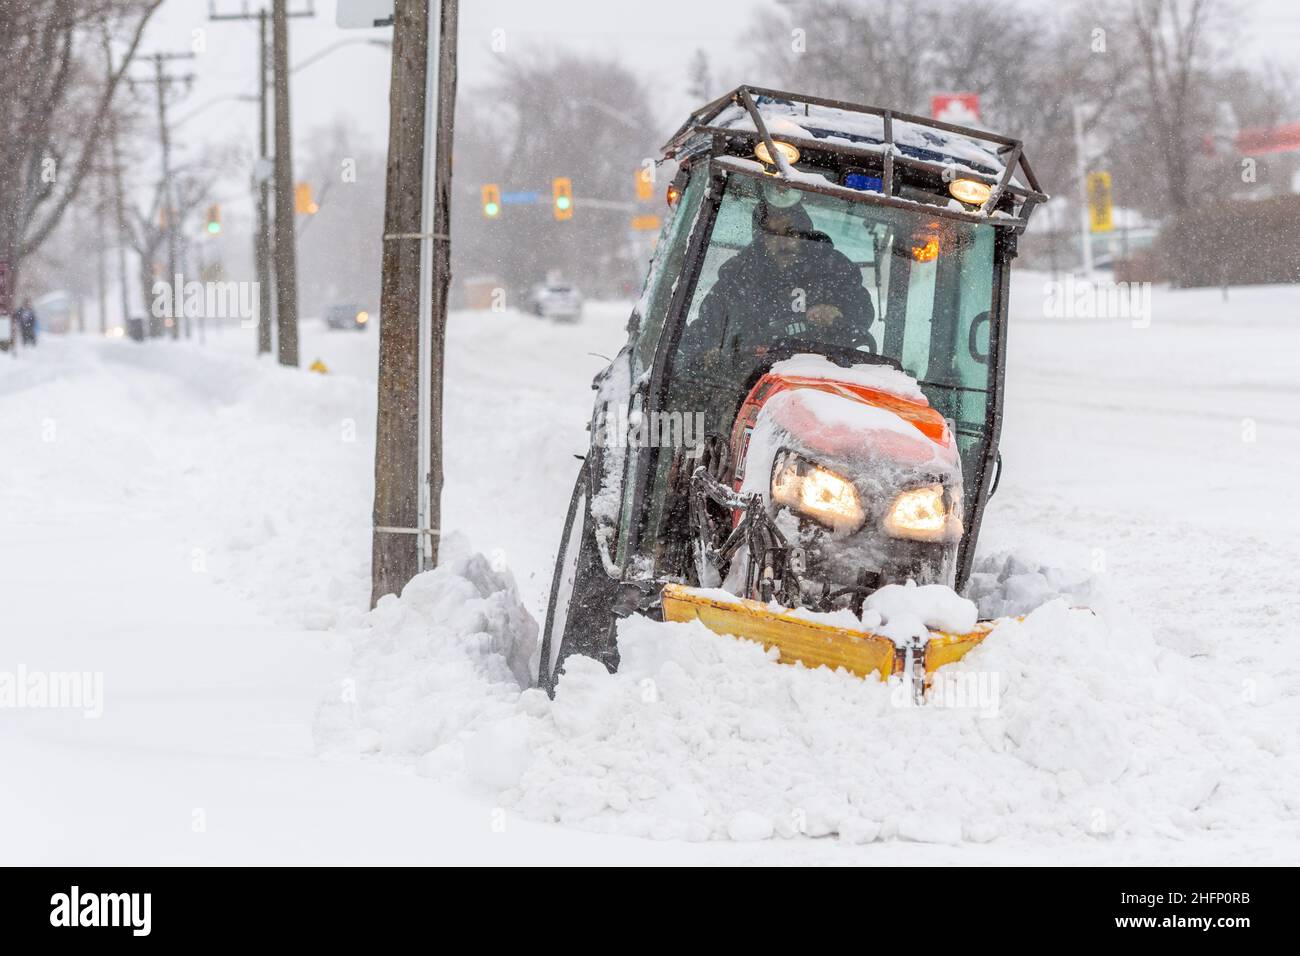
[(556, 300), (347, 315)]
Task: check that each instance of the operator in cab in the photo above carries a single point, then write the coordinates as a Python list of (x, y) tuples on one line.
[(789, 283)]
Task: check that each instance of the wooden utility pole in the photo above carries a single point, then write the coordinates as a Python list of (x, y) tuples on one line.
[(439, 245), (265, 170), (101, 256), (286, 251), (119, 211), (163, 81), (416, 273), (262, 241)]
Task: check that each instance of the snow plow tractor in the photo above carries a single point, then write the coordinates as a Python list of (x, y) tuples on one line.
[(807, 409)]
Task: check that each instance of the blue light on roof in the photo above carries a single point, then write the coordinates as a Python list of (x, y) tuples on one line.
[(864, 182)]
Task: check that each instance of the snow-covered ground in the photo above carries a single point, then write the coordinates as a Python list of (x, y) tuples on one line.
[(194, 525)]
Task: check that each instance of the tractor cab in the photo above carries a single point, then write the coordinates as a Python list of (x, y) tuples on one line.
[(809, 401)]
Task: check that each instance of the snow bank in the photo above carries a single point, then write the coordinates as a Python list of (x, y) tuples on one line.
[(446, 660), (1008, 585), (1055, 729)]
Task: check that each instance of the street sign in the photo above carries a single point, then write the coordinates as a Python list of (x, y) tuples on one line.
[(521, 198), (1100, 210), (1277, 139), (962, 109), (364, 14), (645, 223)]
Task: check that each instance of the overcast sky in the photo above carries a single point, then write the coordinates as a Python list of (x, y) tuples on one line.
[(654, 39)]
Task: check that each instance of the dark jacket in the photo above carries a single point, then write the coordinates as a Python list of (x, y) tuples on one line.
[(754, 302)]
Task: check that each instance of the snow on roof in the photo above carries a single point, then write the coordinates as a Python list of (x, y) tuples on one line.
[(837, 126)]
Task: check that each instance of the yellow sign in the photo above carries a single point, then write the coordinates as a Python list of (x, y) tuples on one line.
[(1100, 210), (645, 223)]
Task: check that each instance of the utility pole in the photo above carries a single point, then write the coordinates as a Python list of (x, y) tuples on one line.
[(262, 241), (437, 246), (119, 209), (286, 246), (264, 170), (163, 81), (413, 300), (1081, 172), (101, 256)]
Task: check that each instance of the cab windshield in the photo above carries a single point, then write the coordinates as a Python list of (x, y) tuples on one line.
[(787, 269), (788, 266)]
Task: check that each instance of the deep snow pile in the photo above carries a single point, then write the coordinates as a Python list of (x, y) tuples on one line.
[(1062, 726), (1008, 585), (452, 653)]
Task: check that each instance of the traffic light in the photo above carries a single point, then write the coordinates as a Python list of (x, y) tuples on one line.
[(303, 203), (645, 183), (214, 220), (491, 201), (562, 198)]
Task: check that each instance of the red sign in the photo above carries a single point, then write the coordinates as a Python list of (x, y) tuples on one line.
[(1279, 139), (962, 109)]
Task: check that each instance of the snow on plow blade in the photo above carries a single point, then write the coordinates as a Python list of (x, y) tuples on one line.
[(814, 643)]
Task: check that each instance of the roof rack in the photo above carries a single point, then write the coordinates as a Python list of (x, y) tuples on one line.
[(866, 131)]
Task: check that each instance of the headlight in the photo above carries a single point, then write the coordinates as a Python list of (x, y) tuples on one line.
[(919, 513), (363, 318), (814, 491)]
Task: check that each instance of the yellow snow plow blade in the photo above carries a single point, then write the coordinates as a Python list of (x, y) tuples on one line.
[(814, 643)]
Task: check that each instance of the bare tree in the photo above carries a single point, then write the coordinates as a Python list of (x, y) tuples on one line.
[(56, 89), (700, 86), (849, 49), (1175, 52), (192, 189)]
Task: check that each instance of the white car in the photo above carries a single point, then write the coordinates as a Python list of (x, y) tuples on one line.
[(556, 300)]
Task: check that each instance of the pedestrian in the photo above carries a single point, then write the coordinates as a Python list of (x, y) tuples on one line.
[(26, 319)]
